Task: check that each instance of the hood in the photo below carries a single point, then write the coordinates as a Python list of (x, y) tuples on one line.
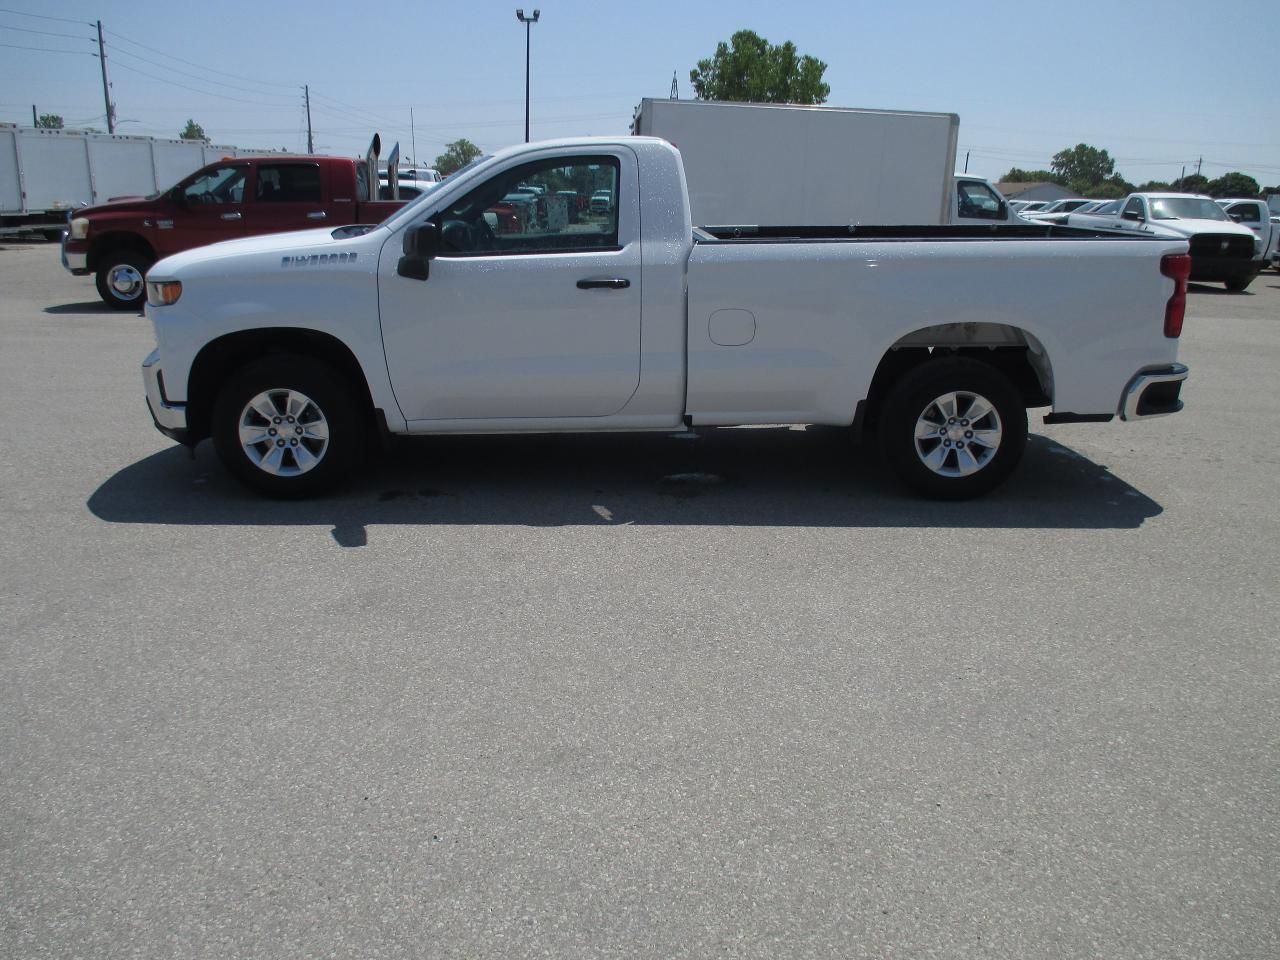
[(1189, 228), (116, 205), (300, 243)]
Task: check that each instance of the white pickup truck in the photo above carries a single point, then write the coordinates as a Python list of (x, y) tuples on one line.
[(1221, 249), (293, 351)]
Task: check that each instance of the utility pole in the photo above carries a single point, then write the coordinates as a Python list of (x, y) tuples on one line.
[(528, 24), (413, 138), (1198, 162), (106, 91), (966, 161), (34, 121), (675, 91), (306, 93)]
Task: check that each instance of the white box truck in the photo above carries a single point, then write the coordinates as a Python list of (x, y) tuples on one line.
[(45, 173), (755, 163)]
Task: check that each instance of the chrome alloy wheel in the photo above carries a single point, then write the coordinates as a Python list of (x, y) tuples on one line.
[(126, 281), (957, 434), (283, 432)]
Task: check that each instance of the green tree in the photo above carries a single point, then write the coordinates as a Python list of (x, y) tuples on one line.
[(1083, 165), (49, 121), (1191, 183), (1018, 175), (1234, 184), (456, 155), (1111, 188), (1154, 186), (192, 131), (751, 69)]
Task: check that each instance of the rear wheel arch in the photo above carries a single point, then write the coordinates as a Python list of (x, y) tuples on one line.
[(220, 359), (1015, 352)]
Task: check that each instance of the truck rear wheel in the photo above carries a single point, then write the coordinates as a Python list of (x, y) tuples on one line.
[(121, 276), (286, 426), (1238, 284), (953, 428)]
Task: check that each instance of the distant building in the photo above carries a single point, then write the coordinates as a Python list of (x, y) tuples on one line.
[(1042, 190)]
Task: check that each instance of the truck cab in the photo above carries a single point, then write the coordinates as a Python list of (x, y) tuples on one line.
[(243, 196)]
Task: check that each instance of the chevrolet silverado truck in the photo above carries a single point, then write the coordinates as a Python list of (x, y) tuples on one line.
[(1221, 249), (295, 352), (117, 242)]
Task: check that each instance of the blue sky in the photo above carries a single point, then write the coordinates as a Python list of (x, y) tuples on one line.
[(1158, 84)]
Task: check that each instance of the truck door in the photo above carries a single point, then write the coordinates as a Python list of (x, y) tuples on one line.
[(209, 207), (976, 202), (1133, 216), (286, 195), (539, 319)]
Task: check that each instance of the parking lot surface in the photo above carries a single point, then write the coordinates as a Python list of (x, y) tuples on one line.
[(635, 696)]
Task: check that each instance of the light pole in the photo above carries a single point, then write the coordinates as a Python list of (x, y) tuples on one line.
[(528, 24)]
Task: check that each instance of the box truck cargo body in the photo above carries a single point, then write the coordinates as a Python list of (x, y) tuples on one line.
[(750, 163)]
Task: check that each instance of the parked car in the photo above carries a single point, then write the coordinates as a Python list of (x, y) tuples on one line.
[(1221, 250), (1257, 216), (601, 201), (236, 197), (431, 323), (1031, 206)]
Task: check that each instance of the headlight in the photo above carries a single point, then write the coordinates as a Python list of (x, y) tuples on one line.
[(79, 228), (163, 293)]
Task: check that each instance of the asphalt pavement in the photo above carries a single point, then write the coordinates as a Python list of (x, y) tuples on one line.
[(733, 695)]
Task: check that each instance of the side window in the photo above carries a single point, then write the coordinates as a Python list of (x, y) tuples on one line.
[(288, 183), (548, 206), (1247, 212), (220, 185), (977, 201), (1133, 206)]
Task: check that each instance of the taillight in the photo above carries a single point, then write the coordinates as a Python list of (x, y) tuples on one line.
[(1178, 267)]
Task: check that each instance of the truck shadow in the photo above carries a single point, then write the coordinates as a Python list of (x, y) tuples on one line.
[(775, 476), (88, 306)]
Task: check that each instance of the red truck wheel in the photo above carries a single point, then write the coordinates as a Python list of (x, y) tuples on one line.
[(121, 281)]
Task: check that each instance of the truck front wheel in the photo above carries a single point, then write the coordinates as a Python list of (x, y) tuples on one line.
[(953, 428), (120, 278), (286, 426)]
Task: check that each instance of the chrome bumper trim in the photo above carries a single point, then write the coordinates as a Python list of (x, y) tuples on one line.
[(1129, 403), (168, 416)]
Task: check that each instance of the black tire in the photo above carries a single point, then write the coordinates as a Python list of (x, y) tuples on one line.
[(911, 402), (1238, 284), (331, 398), (131, 263)]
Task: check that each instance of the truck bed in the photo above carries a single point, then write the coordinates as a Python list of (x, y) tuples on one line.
[(867, 233)]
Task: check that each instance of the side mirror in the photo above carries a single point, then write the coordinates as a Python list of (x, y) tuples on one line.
[(421, 244), (1234, 216), (1131, 215), (1002, 211)]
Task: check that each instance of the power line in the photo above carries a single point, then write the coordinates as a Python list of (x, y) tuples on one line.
[(160, 66), (40, 16), (175, 83), (44, 33), (235, 76), (15, 46)]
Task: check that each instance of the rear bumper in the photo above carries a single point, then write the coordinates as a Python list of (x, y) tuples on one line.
[(75, 255), (1206, 268), (169, 418), (1154, 392)]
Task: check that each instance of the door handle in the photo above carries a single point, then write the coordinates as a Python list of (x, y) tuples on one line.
[(231, 216), (613, 283), (317, 215)]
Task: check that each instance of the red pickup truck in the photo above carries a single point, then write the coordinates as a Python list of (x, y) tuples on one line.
[(238, 197)]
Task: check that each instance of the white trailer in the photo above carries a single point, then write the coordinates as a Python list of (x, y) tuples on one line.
[(753, 163), (45, 173)]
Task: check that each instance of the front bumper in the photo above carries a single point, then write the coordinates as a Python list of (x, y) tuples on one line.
[(1215, 269), (1154, 392), (169, 418), (75, 255)]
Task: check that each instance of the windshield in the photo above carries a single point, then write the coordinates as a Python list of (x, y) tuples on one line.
[(429, 189), (1186, 208)]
